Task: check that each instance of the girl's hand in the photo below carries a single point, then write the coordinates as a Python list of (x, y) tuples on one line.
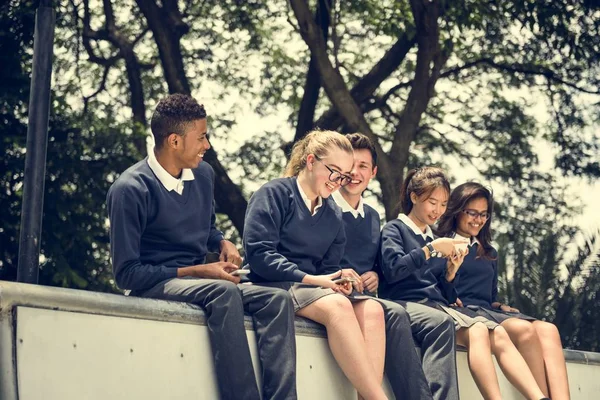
[(454, 262), (358, 282), (325, 281), (506, 308), (446, 245)]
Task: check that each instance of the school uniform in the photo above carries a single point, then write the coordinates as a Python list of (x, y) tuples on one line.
[(478, 286), (419, 286), (158, 224), (284, 241), (402, 364)]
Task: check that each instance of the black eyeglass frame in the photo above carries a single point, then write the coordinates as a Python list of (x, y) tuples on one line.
[(335, 176), (474, 214)]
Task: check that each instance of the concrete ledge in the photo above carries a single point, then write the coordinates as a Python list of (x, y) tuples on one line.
[(20, 294)]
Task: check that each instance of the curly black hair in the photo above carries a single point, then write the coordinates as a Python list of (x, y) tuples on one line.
[(173, 114)]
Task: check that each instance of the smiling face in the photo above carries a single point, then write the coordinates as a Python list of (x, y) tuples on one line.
[(319, 170), (468, 226), (362, 173), (428, 208), (191, 146)]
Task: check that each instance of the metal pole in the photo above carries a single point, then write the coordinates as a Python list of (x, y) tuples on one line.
[(37, 143)]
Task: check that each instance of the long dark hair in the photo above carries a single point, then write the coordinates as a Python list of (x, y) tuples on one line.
[(459, 198), (421, 181)]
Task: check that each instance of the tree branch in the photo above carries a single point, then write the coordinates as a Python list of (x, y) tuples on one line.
[(525, 69)]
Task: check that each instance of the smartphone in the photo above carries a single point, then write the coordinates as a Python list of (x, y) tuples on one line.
[(240, 272), (341, 281)]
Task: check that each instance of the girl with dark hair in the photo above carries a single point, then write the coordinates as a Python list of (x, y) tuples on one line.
[(294, 238), (469, 215), (415, 276)]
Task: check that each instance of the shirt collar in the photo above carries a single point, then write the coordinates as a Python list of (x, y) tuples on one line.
[(168, 180), (409, 222), (341, 201), (307, 201), (472, 241)]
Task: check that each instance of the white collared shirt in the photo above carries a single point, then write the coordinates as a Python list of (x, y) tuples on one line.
[(168, 180), (341, 201), (307, 201), (409, 222), (471, 240)]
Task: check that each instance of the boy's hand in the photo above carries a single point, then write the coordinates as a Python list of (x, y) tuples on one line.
[(230, 253), (370, 281)]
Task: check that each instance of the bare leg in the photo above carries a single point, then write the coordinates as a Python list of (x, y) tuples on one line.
[(479, 354), (525, 338), (346, 342), (513, 365), (369, 315), (554, 359)]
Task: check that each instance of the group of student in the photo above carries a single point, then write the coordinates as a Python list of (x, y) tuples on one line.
[(315, 249)]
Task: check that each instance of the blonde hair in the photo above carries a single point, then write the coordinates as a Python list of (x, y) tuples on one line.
[(318, 143)]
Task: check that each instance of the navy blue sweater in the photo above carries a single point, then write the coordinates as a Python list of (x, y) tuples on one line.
[(154, 231), (478, 284), (283, 241), (362, 240), (407, 275)]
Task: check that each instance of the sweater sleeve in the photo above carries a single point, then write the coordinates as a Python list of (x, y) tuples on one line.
[(264, 218), (495, 281), (127, 212), (331, 259), (215, 236), (395, 263), (448, 289)]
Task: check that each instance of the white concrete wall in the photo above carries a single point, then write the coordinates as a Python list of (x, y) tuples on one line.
[(65, 355)]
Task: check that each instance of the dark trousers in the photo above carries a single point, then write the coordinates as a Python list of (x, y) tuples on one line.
[(273, 316), (433, 331), (402, 363)]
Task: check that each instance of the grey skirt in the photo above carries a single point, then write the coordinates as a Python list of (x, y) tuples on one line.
[(466, 318), (304, 295), (498, 315), (463, 317)]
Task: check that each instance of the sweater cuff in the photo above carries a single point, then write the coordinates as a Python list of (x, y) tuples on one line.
[(169, 273), (298, 275), (418, 257)]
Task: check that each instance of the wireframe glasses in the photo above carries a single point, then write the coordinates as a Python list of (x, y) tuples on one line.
[(474, 214), (336, 176)]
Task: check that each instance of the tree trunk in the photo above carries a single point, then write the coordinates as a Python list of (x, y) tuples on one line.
[(168, 28), (312, 87)]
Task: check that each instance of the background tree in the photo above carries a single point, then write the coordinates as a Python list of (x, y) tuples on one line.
[(482, 88)]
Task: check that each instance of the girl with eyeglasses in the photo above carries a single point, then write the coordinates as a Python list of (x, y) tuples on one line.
[(469, 215), (294, 238), (420, 272)]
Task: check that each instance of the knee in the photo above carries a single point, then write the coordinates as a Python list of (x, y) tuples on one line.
[(339, 309), (445, 323), (374, 312), (228, 289), (525, 333), (282, 299), (501, 338), (223, 293), (397, 314), (547, 331)]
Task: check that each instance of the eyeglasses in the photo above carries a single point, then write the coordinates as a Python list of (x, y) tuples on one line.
[(336, 176), (474, 214)]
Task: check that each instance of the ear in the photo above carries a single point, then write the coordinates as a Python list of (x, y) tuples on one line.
[(310, 160), (374, 172), (173, 140), (413, 197)]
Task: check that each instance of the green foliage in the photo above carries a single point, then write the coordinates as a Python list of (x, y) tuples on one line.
[(84, 156)]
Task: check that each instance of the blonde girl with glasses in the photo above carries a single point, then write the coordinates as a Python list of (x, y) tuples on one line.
[(294, 238), (469, 215)]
